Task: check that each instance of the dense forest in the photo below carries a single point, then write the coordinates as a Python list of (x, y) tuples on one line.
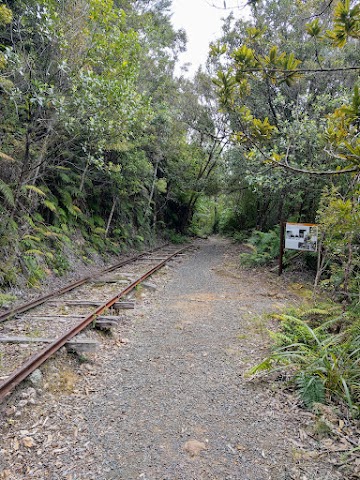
[(101, 142), (103, 148)]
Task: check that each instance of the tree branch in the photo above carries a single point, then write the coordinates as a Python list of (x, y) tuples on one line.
[(299, 70), (316, 172), (321, 13)]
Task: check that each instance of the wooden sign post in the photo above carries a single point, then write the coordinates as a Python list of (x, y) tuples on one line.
[(282, 246)]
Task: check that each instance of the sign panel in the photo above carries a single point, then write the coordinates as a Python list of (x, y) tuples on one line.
[(301, 236)]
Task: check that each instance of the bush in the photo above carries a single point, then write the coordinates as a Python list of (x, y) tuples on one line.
[(324, 366), (177, 238), (265, 246)]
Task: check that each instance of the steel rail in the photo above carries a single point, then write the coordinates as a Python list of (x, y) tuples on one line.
[(40, 300), (38, 359)]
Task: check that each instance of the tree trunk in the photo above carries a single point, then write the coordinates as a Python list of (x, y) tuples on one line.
[(83, 176), (112, 211)]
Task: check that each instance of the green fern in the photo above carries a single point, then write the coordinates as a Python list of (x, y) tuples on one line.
[(264, 366), (29, 239), (50, 205), (34, 251), (311, 389), (33, 188), (7, 193), (325, 366)]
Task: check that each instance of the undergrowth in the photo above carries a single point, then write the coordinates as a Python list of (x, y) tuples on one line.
[(320, 350), (265, 247), (6, 299), (33, 249)]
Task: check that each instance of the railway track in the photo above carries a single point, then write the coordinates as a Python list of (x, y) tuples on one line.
[(55, 319)]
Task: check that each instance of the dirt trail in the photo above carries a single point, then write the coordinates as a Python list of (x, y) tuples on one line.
[(173, 403)]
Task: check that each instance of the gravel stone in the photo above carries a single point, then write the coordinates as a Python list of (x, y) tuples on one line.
[(36, 378)]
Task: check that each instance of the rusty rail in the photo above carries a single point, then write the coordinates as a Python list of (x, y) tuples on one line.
[(38, 359), (40, 300)]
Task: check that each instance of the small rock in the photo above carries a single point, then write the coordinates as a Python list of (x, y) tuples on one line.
[(17, 413), (22, 403), (10, 411), (124, 340), (194, 447), (31, 392), (150, 286), (36, 378), (53, 369)]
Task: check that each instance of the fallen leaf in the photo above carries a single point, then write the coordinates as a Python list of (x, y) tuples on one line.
[(28, 442), (5, 474), (194, 447)]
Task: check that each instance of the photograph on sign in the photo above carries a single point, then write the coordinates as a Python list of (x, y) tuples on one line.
[(301, 236)]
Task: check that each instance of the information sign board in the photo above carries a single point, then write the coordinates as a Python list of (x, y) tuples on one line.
[(301, 236)]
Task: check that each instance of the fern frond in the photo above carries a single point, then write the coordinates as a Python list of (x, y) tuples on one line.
[(7, 157), (34, 251), (311, 389), (50, 205), (31, 237), (34, 189), (7, 193), (265, 365)]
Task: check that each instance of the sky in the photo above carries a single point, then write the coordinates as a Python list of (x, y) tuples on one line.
[(202, 22)]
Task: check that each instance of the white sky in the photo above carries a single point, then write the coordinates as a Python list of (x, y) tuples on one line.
[(202, 23)]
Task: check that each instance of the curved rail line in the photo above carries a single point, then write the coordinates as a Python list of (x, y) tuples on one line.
[(38, 359), (40, 300)]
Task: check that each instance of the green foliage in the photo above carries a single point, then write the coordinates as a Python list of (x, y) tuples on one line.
[(59, 263), (6, 299), (33, 268), (6, 15), (311, 389), (339, 217), (325, 366), (93, 129), (240, 237), (265, 246), (346, 23), (314, 28), (7, 193), (306, 131), (177, 238)]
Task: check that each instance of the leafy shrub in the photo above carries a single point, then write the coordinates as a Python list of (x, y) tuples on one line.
[(265, 246), (60, 264), (255, 259), (6, 298), (324, 366), (177, 238), (240, 237), (34, 268)]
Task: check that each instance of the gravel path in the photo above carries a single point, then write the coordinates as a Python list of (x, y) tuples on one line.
[(172, 403)]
